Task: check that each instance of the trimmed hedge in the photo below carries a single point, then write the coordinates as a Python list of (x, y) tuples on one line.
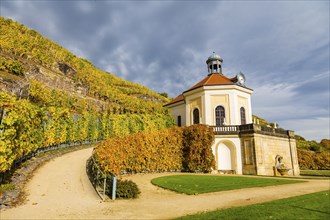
[(197, 152), (310, 160), (185, 148), (141, 152)]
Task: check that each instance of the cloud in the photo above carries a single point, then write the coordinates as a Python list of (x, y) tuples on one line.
[(282, 47), (295, 100), (309, 127)]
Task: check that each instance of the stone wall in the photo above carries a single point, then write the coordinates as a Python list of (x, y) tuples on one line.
[(260, 150)]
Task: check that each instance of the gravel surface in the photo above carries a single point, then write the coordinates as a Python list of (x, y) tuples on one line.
[(25, 172), (60, 189)]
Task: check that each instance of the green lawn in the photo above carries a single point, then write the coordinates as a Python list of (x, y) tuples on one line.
[(315, 172), (196, 184), (310, 206)]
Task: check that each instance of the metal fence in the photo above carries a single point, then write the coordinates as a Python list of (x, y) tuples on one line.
[(101, 181)]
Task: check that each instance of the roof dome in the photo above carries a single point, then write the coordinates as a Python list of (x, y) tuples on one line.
[(214, 56)]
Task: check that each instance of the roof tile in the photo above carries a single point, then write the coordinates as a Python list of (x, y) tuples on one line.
[(211, 79), (177, 99)]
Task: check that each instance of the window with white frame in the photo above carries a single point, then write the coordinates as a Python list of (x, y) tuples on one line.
[(220, 115)]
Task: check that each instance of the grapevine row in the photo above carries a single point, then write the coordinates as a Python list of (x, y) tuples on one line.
[(26, 127)]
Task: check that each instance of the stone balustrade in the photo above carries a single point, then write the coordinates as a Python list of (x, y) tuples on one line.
[(251, 128)]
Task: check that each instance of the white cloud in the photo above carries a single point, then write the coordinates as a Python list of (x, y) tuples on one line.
[(312, 129), (282, 47)]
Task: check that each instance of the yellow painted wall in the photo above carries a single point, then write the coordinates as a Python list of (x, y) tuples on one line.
[(243, 102), (196, 103)]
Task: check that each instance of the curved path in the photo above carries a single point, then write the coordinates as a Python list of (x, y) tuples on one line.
[(60, 189)]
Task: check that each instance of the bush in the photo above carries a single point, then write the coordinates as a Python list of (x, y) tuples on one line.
[(315, 148), (145, 151), (171, 149), (325, 143), (127, 189), (12, 66), (197, 152), (310, 160)]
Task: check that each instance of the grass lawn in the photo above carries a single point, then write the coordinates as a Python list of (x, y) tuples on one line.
[(315, 172), (309, 206), (196, 184)]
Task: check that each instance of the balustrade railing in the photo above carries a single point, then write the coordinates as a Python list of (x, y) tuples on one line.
[(248, 128), (267, 129), (226, 129)]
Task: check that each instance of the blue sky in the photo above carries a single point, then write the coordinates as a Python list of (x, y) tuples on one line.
[(282, 47)]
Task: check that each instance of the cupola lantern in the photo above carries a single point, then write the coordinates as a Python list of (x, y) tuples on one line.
[(214, 63)]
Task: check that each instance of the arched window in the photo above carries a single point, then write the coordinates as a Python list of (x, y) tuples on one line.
[(220, 115), (243, 119), (179, 120), (196, 116)]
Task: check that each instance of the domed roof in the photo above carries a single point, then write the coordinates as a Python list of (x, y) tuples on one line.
[(214, 56)]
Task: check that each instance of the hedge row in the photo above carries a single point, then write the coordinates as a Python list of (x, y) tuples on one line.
[(197, 152), (186, 148), (311, 160), (26, 127)]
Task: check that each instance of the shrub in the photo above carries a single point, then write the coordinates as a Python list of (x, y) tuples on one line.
[(187, 148), (127, 189), (197, 152), (311, 160), (145, 151), (315, 148), (325, 143), (12, 66)]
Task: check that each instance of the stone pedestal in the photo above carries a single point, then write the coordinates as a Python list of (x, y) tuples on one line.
[(276, 173)]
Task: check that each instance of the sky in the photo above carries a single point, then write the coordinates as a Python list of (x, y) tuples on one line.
[(282, 47)]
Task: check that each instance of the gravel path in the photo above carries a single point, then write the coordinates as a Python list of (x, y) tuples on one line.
[(60, 189)]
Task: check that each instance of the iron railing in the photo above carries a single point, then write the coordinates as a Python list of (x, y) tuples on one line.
[(100, 180)]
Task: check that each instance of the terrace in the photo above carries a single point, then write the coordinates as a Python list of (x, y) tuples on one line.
[(251, 128)]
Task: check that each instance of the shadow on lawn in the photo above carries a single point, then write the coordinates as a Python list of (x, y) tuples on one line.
[(313, 210)]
